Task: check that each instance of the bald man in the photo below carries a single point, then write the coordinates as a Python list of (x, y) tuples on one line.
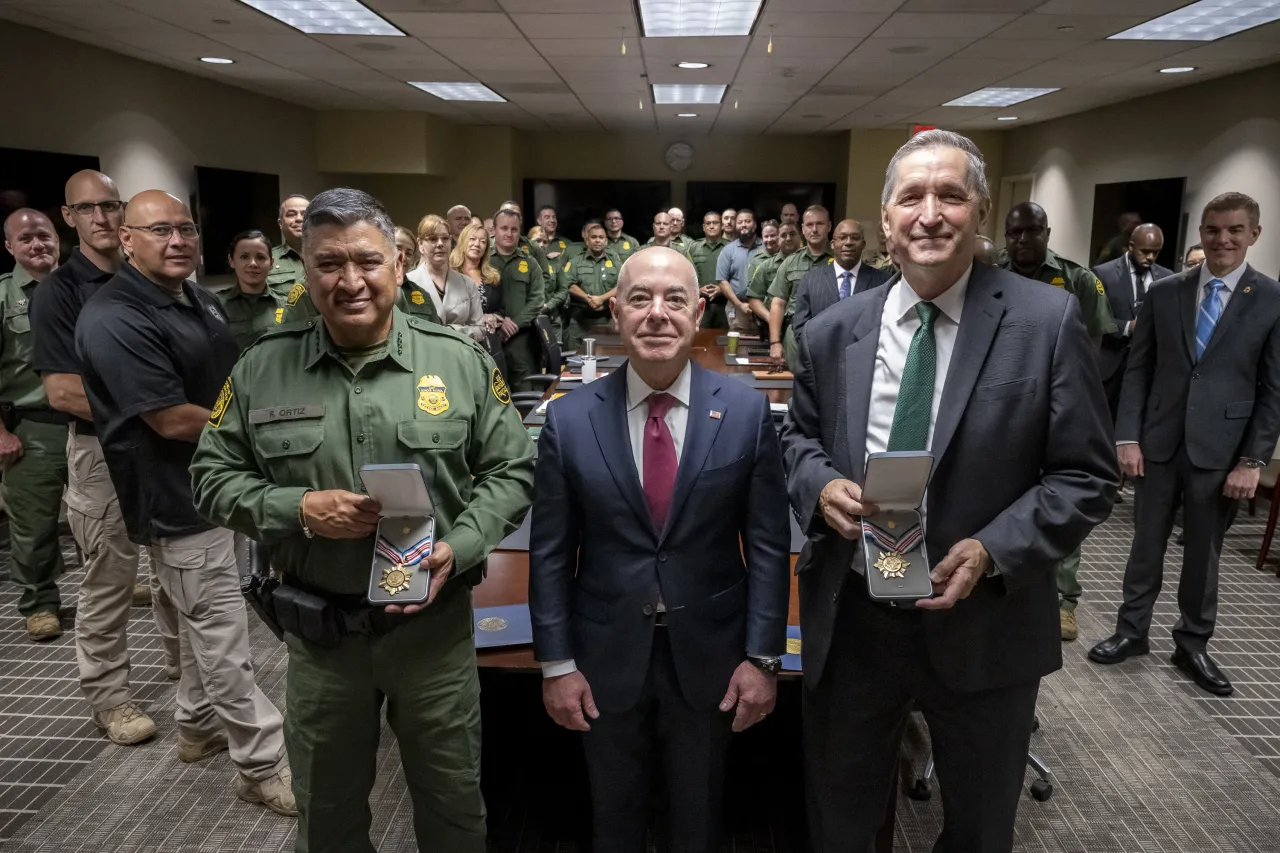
[(985, 251), (679, 240), (658, 574), (459, 217), (94, 209), (661, 231), (157, 352), (826, 284), (286, 259), (33, 437)]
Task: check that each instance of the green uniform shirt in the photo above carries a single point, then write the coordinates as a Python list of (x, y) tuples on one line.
[(760, 271), (293, 417), (533, 250), (252, 314), (681, 242), (596, 277), (413, 300), (877, 259), (684, 250), (1079, 281), (19, 383), (288, 267), (523, 286), (624, 246), (791, 270), (704, 254)]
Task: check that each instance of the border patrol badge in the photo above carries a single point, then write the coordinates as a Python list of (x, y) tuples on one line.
[(221, 405), (417, 298), (1059, 281), (295, 293), (524, 266), (626, 245), (279, 316), (500, 390), (609, 264), (492, 623), (431, 395)]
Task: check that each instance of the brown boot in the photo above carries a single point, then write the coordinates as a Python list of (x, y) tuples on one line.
[(126, 723), (1068, 620), (142, 595), (274, 792), (43, 626), (198, 748)]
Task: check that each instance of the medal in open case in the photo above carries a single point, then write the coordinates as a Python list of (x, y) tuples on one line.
[(893, 547), (406, 534)]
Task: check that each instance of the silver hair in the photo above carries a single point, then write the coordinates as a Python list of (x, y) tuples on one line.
[(450, 211), (345, 206), (975, 173)]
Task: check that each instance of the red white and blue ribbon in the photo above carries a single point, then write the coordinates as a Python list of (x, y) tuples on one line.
[(407, 558), (888, 543)]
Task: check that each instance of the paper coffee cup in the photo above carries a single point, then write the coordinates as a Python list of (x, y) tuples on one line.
[(733, 342)]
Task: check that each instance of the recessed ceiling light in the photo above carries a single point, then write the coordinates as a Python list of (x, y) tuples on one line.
[(1178, 69), (693, 66), (461, 92), (326, 17), (217, 60), (680, 93), (996, 96), (663, 18), (1006, 118), (1207, 20), (686, 115)]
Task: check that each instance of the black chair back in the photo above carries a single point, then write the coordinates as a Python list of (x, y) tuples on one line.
[(550, 344)]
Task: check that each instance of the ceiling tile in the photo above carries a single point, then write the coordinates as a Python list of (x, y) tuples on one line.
[(264, 43), (1147, 9), (1041, 49), (819, 24), (1064, 72), (970, 5), (608, 64), (788, 48), (1067, 26), (941, 25), (463, 51), (465, 25), (584, 47), (1228, 49), (384, 7), (566, 6), (582, 26)]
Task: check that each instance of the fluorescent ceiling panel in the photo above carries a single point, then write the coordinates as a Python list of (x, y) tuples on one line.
[(995, 96), (461, 92), (664, 18), (326, 17), (681, 93), (1207, 20)]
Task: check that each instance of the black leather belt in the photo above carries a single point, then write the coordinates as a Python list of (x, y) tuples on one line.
[(43, 416), (84, 427)]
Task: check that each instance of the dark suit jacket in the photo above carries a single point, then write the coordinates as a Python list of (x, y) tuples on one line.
[(1024, 463), (1115, 277), (819, 290), (595, 559), (1225, 406)]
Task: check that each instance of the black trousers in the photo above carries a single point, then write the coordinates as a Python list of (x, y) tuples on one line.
[(877, 670), (1111, 387), (621, 751), (1206, 514)]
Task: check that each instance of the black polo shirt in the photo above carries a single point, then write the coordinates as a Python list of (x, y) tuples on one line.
[(55, 311), (143, 351)]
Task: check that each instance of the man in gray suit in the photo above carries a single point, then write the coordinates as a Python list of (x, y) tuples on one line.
[(1126, 280), (995, 376), (1199, 418), (826, 284)]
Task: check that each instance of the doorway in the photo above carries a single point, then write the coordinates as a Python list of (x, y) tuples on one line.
[(1014, 189), (230, 201), (1158, 201)]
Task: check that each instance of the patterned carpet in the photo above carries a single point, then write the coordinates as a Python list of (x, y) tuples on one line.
[(1141, 760)]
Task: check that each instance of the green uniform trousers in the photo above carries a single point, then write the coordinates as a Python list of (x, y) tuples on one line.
[(581, 322), (425, 670), (32, 498), (523, 353), (789, 350), (1068, 586)]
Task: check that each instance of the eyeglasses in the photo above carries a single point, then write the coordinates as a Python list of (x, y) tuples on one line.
[(163, 230), (1031, 233), (85, 208)]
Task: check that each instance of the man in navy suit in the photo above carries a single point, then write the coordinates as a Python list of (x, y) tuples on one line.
[(658, 565), (826, 284)]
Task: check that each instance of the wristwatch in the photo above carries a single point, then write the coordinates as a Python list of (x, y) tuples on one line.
[(1251, 463), (769, 666)]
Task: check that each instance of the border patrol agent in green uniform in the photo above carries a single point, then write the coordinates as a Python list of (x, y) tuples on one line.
[(523, 295), (251, 313), (679, 240), (413, 300), (815, 225), (593, 273), (305, 408), (32, 482), (704, 253), (1026, 235), (287, 257), (622, 243)]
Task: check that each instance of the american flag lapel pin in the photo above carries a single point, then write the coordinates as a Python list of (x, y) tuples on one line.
[(715, 414)]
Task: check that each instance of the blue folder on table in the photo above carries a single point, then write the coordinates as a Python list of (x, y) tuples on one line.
[(499, 627), (791, 660)]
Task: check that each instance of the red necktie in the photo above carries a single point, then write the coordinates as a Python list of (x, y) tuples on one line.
[(660, 461)]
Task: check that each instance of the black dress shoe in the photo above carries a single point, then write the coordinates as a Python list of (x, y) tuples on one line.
[(1116, 648), (1203, 671)]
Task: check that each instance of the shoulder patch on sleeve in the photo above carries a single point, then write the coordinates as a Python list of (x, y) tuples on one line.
[(500, 390), (1097, 283), (221, 405), (295, 293)]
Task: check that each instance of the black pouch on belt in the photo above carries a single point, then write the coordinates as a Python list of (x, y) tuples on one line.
[(308, 616)]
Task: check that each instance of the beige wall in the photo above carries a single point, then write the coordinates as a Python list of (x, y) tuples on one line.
[(150, 126), (1220, 135)]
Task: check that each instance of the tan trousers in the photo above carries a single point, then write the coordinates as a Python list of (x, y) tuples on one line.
[(743, 321), (110, 571), (199, 577)]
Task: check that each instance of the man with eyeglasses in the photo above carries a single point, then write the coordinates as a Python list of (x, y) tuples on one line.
[(1026, 241), (157, 352), (622, 243), (94, 209), (287, 268)]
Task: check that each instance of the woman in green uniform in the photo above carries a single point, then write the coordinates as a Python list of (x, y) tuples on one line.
[(252, 305)]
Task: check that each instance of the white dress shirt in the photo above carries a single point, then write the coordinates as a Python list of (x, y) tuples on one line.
[(840, 271), (677, 420)]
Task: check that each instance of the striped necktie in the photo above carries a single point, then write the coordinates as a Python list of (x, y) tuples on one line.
[(1210, 312)]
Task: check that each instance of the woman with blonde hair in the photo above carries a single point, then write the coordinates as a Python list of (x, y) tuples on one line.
[(537, 235), (470, 257), (456, 299), (407, 246)]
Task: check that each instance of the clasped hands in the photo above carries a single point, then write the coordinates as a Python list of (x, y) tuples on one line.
[(339, 514), (953, 578)]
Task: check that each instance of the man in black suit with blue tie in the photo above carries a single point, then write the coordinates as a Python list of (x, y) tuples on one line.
[(658, 565), (1126, 280), (826, 284), (1199, 418)]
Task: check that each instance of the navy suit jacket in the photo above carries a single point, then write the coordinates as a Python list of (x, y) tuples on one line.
[(819, 290), (1115, 278), (596, 563)]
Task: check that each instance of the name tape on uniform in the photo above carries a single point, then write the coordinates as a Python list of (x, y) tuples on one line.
[(286, 413)]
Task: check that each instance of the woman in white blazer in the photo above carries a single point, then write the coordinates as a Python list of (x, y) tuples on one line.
[(456, 297)]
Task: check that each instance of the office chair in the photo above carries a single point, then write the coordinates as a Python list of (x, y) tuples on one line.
[(1041, 788), (527, 401)]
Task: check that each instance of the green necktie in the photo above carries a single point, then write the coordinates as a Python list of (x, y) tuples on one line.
[(915, 393)]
